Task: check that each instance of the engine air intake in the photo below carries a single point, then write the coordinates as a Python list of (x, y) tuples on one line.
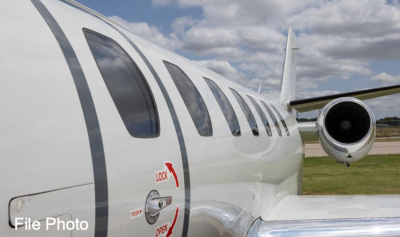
[(347, 122), (346, 129)]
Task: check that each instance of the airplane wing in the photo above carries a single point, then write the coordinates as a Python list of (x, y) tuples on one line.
[(305, 105), (287, 92), (337, 215)]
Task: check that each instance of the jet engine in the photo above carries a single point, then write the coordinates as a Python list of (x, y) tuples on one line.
[(346, 129)]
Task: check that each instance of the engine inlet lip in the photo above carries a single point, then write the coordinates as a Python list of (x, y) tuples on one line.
[(332, 104)]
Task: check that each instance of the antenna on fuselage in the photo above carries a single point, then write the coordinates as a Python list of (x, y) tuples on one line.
[(259, 88), (263, 64)]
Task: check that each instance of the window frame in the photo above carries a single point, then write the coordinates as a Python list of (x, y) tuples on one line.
[(256, 133), (282, 120), (239, 132), (274, 120), (151, 94), (262, 115), (187, 107)]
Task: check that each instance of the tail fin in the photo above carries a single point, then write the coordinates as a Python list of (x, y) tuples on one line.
[(287, 92)]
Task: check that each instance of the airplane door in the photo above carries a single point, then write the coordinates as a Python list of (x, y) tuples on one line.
[(140, 134)]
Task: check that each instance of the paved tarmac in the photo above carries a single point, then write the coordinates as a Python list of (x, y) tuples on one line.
[(379, 148)]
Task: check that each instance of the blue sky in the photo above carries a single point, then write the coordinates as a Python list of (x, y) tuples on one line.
[(143, 11), (344, 45)]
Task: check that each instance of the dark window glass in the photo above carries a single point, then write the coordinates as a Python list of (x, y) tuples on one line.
[(273, 118), (262, 116), (247, 112), (226, 107), (282, 120), (126, 84), (192, 98)]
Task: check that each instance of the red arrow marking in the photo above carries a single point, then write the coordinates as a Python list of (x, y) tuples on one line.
[(173, 223), (172, 170)]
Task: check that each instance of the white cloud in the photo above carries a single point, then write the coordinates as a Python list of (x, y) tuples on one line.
[(350, 18), (306, 84), (150, 33), (245, 32), (201, 39), (338, 39), (386, 78), (161, 2), (387, 106), (224, 68), (304, 94), (181, 23), (244, 13)]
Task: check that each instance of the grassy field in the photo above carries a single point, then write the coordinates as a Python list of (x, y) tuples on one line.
[(378, 174)]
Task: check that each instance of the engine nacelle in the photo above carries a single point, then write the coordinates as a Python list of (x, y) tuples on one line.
[(346, 129)]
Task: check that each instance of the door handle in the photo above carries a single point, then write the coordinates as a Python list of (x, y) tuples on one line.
[(155, 205)]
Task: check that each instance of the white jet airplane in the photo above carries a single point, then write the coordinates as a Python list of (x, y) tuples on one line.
[(105, 134)]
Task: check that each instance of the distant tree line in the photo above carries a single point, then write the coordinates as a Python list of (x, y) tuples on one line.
[(388, 119)]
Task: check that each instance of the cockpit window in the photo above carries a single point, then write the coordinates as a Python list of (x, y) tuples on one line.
[(262, 116), (247, 112), (127, 86), (282, 120), (278, 128), (192, 98), (225, 106)]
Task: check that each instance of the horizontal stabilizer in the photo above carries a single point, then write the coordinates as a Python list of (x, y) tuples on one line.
[(310, 104)]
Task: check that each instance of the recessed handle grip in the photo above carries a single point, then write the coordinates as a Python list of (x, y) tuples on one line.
[(155, 205)]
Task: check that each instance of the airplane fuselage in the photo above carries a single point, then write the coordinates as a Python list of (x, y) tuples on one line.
[(68, 152)]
